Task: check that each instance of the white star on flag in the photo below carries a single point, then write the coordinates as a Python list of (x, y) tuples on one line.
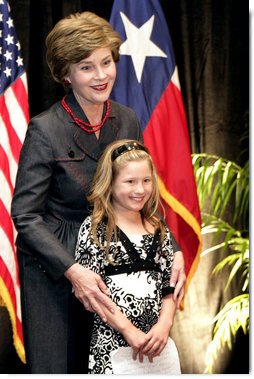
[(19, 61), (138, 44), (7, 72), (10, 22), (8, 55), (9, 39)]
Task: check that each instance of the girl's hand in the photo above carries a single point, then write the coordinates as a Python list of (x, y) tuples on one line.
[(157, 340), (136, 339)]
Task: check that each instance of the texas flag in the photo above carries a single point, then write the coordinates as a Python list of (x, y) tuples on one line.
[(147, 81)]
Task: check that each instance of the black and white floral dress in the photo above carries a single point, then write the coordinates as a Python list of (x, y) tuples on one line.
[(137, 282)]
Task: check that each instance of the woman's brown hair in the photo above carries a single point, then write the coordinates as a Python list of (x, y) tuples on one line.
[(75, 38)]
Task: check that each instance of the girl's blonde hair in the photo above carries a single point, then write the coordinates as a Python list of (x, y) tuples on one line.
[(109, 165), (75, 38)]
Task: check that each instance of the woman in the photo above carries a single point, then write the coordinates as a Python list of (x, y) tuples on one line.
[(57, 163)]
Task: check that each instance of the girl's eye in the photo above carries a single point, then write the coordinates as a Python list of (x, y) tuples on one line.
[(147, 180)]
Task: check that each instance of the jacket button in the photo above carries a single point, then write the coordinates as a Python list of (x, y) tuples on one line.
[(71, 154)]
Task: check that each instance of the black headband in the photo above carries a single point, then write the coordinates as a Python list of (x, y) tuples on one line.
[(125, 148)]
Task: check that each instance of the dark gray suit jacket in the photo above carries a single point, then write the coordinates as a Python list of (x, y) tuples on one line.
[(57, 163)]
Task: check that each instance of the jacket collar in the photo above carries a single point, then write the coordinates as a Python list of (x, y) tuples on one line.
[(88, 142)]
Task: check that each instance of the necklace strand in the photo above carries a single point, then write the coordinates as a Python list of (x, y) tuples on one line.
[(82, 124)]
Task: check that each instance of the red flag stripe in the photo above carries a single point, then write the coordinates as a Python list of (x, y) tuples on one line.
[(5, 168), (19, 88), (179, 208), (14, 97), (6, 224), (5, 273), (5, 145), (191, 261), (10, 269), (14, 141), (8, 229)]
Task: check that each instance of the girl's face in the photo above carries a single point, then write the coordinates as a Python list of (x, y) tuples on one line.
[(132, 186), (92, 78)]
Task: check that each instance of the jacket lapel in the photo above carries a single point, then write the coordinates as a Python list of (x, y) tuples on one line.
[(88, 142)]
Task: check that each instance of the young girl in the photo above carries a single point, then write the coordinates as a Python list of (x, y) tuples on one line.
[(128, 244)]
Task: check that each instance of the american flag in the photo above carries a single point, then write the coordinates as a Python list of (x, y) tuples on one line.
[(14, 117), (147, 81)]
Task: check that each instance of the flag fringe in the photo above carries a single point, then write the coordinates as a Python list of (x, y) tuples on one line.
[(180, 209), (190, 220), (5, 300)]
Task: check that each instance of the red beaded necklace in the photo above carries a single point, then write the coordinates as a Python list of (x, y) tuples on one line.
[(82, 124)]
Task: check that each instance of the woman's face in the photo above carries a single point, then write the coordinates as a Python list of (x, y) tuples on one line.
[(92, 78)]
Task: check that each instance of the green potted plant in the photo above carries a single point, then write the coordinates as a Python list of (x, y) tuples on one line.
[(223, 191)]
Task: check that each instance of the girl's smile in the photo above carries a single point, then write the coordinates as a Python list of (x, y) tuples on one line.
[(132, 187)]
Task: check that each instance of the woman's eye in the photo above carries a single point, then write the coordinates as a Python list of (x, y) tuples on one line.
[(86, 68), (107, 62)]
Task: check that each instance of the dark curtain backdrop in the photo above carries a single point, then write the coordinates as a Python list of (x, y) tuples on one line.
[(211, 43)]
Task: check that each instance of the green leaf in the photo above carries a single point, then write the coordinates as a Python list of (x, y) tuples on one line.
[(223, 189), (233, 316)]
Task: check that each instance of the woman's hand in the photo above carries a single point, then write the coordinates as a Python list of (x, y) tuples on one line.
[(90, 289), (178, 277)]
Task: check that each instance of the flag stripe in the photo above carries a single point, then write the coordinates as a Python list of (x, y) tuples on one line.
[(6, 150), (9, 281), (8, 250), (5, 168), (19, 88), (178, 207), (6, 224), (14, 140), (10, 269), (15, 100)]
